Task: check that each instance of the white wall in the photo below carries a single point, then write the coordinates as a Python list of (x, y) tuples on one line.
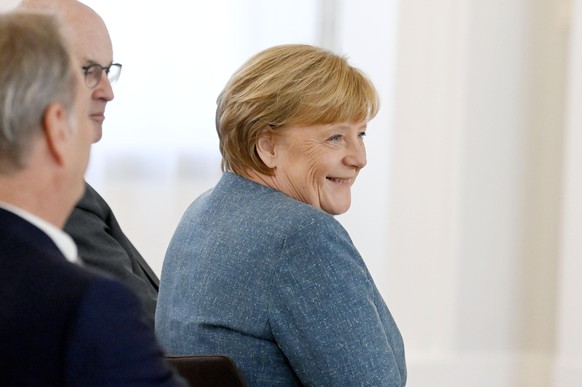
[(483, 210), (568, 345), (7, 5)]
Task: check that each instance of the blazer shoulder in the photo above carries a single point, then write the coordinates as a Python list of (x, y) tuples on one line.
[(264, 206), (92, 201)]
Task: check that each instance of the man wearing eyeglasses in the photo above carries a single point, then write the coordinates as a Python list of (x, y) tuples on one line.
[(60, 324), (101, 241)]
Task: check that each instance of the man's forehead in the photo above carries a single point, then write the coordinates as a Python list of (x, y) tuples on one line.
[(86, 30), (74, 14), (89, 35)]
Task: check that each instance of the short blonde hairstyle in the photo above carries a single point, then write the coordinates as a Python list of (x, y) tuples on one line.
[(298, 85)]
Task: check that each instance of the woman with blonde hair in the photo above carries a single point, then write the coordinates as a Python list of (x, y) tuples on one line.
[(258, 268)]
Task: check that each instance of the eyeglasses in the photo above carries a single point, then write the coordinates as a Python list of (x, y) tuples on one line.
[(94, 72)]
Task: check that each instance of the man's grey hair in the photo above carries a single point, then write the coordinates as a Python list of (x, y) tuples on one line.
[(36, 70)]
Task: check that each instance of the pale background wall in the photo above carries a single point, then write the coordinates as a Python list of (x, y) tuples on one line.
[(469, 213), (568, 334), (482, 201)]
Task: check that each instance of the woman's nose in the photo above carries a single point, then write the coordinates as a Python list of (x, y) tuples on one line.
[(356, 155)]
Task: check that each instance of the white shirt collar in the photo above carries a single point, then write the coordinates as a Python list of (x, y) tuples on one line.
[(63, 240)]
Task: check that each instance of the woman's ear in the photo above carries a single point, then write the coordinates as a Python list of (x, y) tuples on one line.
[(266, 147)]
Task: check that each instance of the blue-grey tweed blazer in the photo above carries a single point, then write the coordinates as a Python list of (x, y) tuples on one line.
[(278, 286)]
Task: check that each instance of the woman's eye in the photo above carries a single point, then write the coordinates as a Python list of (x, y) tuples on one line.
[(335, 138), (362, 134)]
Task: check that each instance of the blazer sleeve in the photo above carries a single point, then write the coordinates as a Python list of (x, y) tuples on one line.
[(329, 319), (111, 345)]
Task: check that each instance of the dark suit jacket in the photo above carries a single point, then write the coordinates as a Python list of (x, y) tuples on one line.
[(62, 324), (103, 245)]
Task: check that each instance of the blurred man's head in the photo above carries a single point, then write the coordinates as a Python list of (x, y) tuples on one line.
[(91, 46), (45, 133)]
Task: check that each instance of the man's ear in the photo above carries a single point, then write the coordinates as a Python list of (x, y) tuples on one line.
[(266, 147), (56, 130)]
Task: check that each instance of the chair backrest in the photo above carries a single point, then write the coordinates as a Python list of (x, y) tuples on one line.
[(208, 370)]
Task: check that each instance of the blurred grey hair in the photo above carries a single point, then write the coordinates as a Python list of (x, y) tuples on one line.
[(35, 71)]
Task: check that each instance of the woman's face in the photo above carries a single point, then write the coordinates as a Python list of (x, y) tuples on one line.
[(318, 164)]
